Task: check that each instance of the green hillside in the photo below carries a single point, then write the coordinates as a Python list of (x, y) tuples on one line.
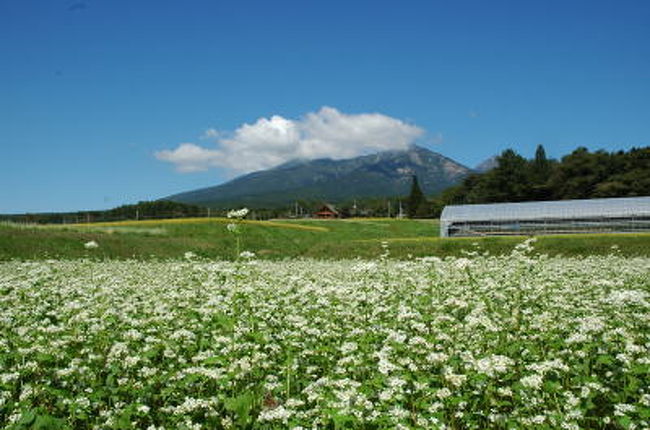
[(387, 173)]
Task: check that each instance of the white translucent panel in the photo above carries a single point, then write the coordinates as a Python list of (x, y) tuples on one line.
[(559, 209)]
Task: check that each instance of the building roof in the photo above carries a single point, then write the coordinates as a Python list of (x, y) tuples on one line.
[(328, 208), (558, 209)]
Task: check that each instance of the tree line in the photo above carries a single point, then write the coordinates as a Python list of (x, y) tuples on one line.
[(141, 210), (579, 175)]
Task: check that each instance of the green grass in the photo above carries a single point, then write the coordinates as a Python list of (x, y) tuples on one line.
[(327, 239)]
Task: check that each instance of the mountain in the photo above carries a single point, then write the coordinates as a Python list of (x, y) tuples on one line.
[(487, 165), (387, 173)]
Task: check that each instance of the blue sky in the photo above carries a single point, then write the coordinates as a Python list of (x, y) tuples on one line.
[(97, 96)]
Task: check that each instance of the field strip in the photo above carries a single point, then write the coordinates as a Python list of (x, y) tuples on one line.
[(475, 238), (400, 239), (289, 225), (203, 221)]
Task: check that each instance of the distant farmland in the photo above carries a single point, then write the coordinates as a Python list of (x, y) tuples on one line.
[(331, 239)]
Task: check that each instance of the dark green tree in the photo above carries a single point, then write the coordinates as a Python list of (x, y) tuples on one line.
[(415, 199), (540, 172), (630, 175), (508, 182), (541, 166), (579, 173)]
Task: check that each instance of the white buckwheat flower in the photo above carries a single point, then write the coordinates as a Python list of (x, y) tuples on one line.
[(91, 245), (239, 213)]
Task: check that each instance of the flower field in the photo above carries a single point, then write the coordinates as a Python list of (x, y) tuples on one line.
[(460, 343)]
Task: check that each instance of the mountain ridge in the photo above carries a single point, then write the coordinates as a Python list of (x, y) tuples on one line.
[(382, 174), (487, 164)]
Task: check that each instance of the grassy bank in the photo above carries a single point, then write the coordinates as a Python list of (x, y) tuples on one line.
[(331, 239)]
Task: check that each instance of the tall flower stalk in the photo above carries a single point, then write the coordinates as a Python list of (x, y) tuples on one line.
[(234, 227)]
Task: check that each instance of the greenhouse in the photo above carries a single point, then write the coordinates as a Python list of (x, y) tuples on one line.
[(614, 215)]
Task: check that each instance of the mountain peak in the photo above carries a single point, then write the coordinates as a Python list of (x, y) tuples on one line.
[(291, 163), (487, 165), (382, 174)]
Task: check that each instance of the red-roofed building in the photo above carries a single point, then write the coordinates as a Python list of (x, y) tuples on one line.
[(327, 211)]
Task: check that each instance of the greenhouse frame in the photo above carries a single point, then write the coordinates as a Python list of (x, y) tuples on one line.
[(612, 215)]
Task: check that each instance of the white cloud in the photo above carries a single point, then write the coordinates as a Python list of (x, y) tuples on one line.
[(268, 142), (210, 133), (189, 157)]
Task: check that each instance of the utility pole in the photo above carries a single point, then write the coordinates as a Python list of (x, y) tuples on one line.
[(137, 214), (388, 208), (208, 212)]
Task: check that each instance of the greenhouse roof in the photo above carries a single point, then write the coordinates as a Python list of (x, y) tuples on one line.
[(559, 209)]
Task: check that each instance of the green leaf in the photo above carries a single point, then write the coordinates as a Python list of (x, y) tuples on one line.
[(605, 359), (45, 358), (27, 418), (48, 422), (624, 422), (644, 412), (552, 386), (214, 360), (240, 405), (124, 421)]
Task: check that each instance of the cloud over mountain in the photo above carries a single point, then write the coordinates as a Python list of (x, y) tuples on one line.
[(268, 142)]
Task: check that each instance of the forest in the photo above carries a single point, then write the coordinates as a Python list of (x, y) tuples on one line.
[(579, 175)]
